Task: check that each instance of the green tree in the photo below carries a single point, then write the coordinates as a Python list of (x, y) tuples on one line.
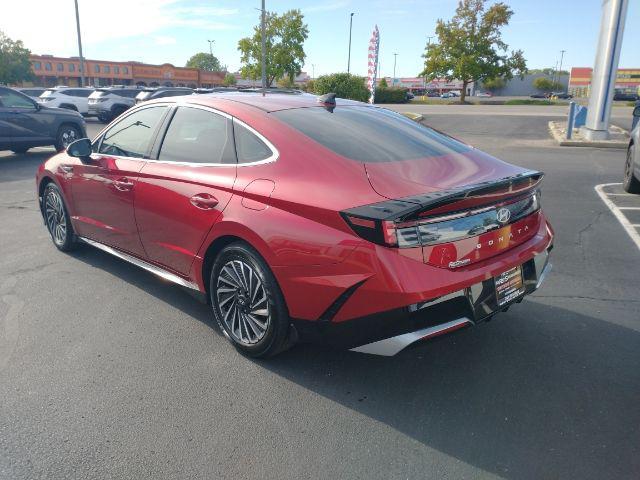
[(545, 84), (470, 46), (494, 84), (15, 66), (229, 80), (204, 61), (344, 85), (285, 82), (383, 83), (285, 35)]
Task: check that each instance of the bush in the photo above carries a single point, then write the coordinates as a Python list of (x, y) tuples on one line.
[(383, 83), (344, 85), (391, 95), (526, 101)]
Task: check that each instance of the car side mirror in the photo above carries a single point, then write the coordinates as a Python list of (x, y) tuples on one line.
[(636, 111), (80, 149)]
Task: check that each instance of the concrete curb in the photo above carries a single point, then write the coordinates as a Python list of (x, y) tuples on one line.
[(416, 117), (558, 132)]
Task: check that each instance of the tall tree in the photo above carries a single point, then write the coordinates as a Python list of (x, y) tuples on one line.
[(205, 61), (285, 35), (470, 46), (15, 66)]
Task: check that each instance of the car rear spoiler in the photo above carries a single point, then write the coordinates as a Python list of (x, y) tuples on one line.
[(404, 208)]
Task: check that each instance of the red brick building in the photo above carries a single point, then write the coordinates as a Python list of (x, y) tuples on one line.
[(51, 71)]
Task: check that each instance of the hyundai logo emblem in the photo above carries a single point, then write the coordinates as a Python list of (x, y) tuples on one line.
[(503, 215)]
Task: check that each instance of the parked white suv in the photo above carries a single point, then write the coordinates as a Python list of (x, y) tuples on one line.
[(109, 102), (67, 97)]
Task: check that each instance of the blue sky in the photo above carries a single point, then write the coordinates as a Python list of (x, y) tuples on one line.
[(158, 31)]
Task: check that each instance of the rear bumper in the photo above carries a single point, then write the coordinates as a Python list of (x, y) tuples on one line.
[(389, 332)]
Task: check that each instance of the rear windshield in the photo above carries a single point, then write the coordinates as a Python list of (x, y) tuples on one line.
[(144, 95), (48, 92), (370, 134), (99, 93)]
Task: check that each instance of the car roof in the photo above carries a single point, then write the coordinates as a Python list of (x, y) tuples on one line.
[(270, 102)]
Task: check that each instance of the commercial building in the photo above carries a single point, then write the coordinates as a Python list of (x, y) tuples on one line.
[(50, 71), (627, 80), (419, 84)]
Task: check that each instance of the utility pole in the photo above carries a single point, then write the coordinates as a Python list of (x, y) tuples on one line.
[(395, 56), (264, 50), (350, 28), (560, 69), (210, 49), (313, 71), (79, 45), (603, 80)]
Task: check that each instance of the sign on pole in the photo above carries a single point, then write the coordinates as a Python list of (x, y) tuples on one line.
[(374, 47)]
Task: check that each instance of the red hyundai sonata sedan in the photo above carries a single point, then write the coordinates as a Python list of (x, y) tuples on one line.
[(305, 219)]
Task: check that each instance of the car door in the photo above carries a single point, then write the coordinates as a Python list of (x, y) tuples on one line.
[(104, 186), (20, 119), (185, 188)]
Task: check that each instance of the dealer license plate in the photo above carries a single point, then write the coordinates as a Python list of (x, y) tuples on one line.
[(509, 285)]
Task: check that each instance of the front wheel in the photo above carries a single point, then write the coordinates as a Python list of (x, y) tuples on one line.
[(57, 219), (247, 302), (630, 184), (67, 134)]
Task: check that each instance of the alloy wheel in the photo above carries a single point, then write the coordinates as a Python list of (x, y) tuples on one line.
[(68, 136), (55, 217), (243, 302), (628, 167)]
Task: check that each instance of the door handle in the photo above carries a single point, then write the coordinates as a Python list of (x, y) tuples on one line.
[(204, 201), (123, 184), (66, 168)]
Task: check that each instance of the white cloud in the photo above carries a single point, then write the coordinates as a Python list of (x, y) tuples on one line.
[(45, 28)]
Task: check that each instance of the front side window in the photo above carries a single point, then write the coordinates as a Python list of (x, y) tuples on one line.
[(197, 136), (11, 99), (131, 136), (249, 147), (370, 134)]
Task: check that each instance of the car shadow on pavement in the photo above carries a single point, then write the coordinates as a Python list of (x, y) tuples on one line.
[(539, 392), (16, 167)]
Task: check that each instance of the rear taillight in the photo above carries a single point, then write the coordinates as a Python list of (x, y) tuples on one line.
[(442, 228)]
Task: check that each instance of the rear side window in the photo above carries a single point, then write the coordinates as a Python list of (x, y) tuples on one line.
[(197, 136), (131, 136), (370, 134), (249, 147)]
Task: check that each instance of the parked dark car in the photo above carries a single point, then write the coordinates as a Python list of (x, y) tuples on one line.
[(34, 92), (24, 123), (561, 95), (626, 96), (539, 95), (153, 93)]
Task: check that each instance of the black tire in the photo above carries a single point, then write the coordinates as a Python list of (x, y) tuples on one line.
[(20, 150), (67, 133), (117, 111), (247, 327), (630, 183), (56, 217), (69, 107), (104, 118)]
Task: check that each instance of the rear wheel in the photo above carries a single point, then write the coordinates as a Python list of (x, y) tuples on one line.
[(630, 184), (104, 118), (57, 219), (67, 134), (247, 302)]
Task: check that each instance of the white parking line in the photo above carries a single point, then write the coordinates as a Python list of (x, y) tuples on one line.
[(629, 208), (618, 213)]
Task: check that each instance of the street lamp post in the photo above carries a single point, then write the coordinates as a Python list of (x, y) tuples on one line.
[(560, 69), (395, 56), (313, 71), (264, 50), (210, 47), (350, 28), (80, 45)]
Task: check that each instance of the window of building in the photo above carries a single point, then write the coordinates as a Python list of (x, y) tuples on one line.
[(116, 70), (196, 136), (47, 66), (125, 69), (96, 69), (131, 136), (37, 65), (72, 67), (106, 69), (60, 67)]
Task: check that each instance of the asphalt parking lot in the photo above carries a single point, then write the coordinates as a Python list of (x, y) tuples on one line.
[(108, 372)]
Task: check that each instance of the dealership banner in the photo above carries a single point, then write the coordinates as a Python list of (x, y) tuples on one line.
[(374, 47)]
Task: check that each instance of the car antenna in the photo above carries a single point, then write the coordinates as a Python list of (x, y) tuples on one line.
[(328, 100)]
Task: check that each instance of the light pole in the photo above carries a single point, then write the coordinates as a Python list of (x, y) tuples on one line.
[(264, 50), (560, 69), (350, 28), (210, 47), (395, 56), (80, 45), (313, 71)]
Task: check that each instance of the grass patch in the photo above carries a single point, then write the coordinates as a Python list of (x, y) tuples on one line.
[(532, 101)]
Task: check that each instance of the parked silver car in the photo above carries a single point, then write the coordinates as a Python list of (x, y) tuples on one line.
[(631, 182)]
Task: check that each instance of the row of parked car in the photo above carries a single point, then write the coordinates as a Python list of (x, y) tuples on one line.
[(106, 103)]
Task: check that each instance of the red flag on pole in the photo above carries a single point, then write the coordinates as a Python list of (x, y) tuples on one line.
[(374, 47)]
